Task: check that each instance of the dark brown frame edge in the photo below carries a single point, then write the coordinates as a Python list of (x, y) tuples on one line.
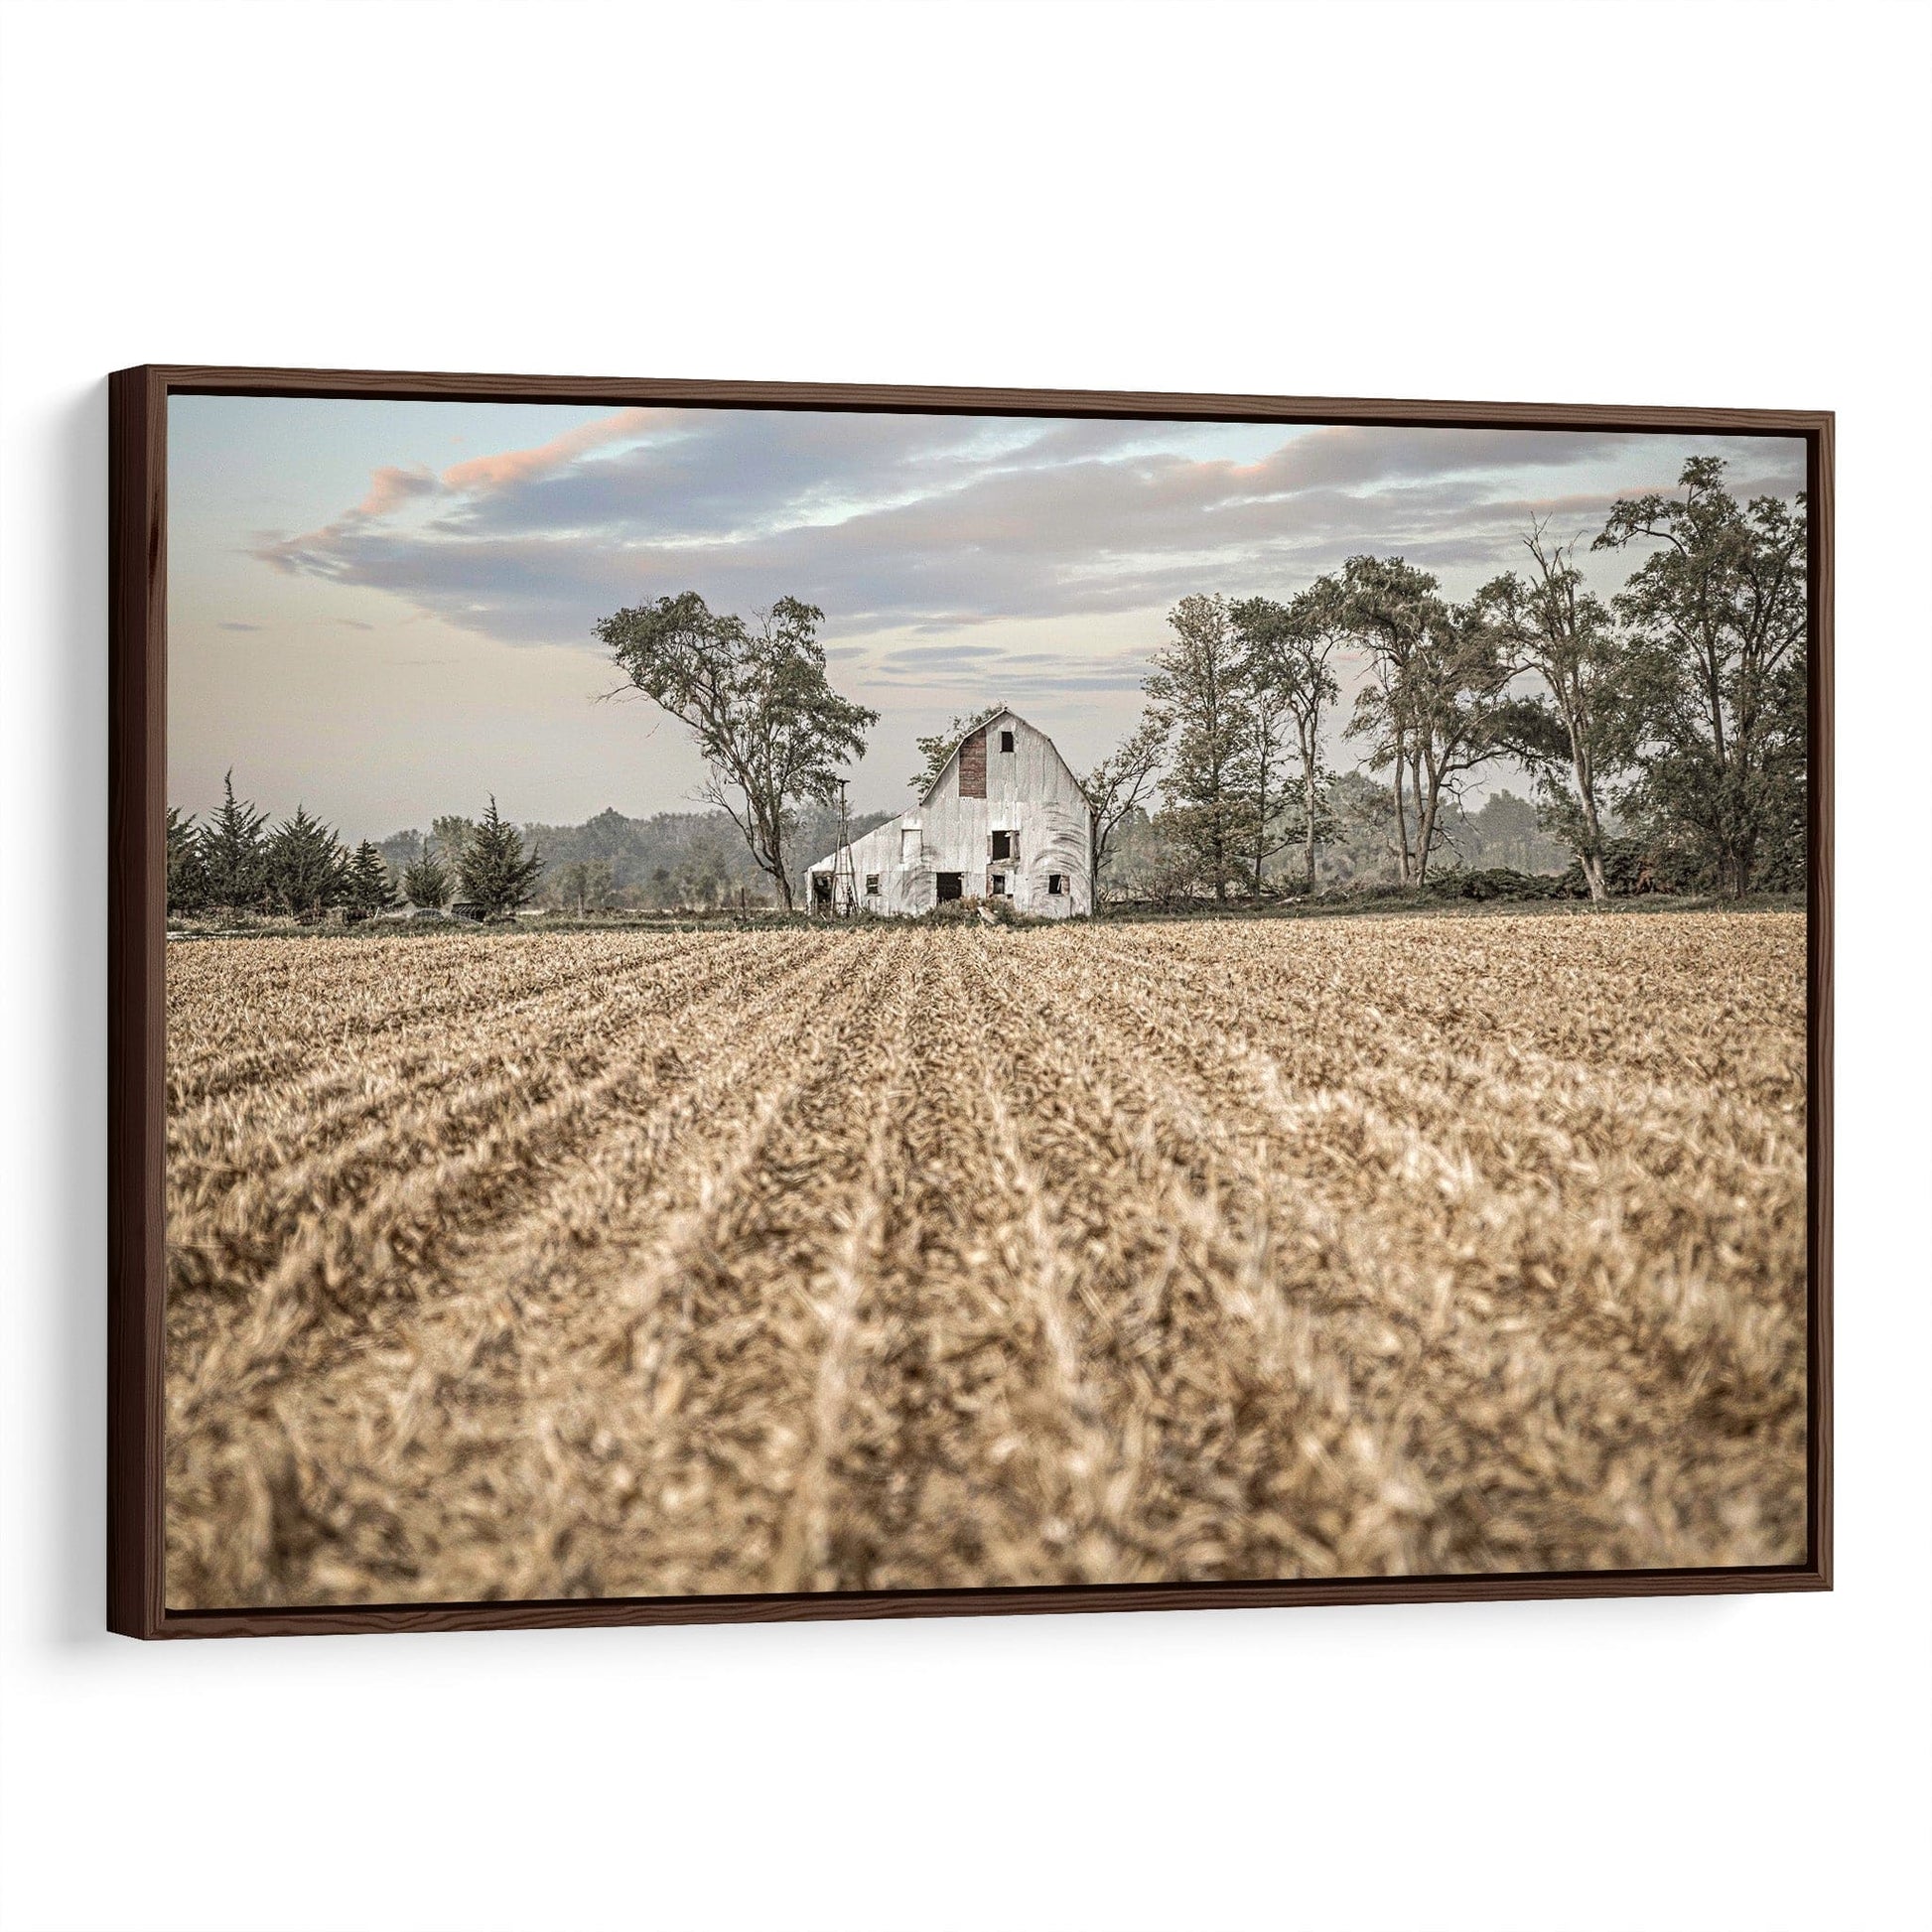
[(136, 1011)]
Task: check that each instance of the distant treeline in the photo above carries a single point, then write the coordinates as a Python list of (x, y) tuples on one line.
[(672, 861), (238, 863), (1506, 833)]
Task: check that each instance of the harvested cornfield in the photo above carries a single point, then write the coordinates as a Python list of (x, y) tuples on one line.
[(857, 1259)]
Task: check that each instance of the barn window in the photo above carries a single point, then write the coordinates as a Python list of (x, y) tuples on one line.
[(1056, 884), (1006, 741), (908, 845), (998, 884), (1006, 845), (871, 885)]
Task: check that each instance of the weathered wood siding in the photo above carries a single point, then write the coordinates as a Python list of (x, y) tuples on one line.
[(1028, 792)]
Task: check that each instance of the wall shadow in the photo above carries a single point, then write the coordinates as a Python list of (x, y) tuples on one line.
[(70, 1034)]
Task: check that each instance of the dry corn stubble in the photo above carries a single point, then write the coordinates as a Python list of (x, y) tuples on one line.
[(609, 1264)]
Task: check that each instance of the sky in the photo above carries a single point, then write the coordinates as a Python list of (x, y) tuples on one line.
[(385, 611)]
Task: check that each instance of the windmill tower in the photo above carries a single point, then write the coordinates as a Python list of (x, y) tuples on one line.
[(845, 876)]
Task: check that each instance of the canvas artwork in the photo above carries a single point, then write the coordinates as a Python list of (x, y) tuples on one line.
[(772, 1002)]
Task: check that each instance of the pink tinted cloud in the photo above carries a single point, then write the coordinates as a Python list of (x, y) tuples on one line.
[(392, 484), (481, 472)]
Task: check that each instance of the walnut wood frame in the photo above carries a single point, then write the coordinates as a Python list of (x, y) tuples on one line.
[(137, 879)]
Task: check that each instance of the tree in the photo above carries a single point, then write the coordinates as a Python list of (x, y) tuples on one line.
[(583, 887), (771, 729), (368, 887), (1436, 707), (426, 879), (1389, 606), (1198, 693), (1262, 761), (936, 749), (1289, 647), (1578, 734), (1357, 849), (1507, 827), (1719, 615), (235, 853), (186, 875), (1156, 863), (450, 835), (496, 873), (306, 866), (1118, 787), (702, 878)]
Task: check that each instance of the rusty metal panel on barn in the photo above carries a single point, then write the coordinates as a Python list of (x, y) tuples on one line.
[(972, 766)]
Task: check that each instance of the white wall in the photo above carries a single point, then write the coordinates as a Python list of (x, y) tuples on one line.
[(1672, 205)]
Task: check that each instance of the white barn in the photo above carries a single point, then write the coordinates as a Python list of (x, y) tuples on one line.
[(1005, 818)]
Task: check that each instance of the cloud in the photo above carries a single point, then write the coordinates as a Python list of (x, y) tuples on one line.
[(713, 472), (231, 625), (927, 524), (518, 466), (392, 486)]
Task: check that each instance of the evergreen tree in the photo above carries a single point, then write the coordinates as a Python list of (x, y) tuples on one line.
[(186, 876), (426, 879), (235, 853), (368, 887), (306, 866), (496, 873)]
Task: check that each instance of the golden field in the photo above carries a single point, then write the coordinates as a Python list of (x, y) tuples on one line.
[(614, 1264)]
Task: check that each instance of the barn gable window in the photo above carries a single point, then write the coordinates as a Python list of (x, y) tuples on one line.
[(908, 845), (1006, 741), (1056, 884), (972, 766)]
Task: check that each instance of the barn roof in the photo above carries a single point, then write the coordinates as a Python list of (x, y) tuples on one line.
[(926, 797), (876, 832), (986, 723)]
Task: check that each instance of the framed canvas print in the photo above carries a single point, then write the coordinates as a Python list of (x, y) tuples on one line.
[(746, 1000)]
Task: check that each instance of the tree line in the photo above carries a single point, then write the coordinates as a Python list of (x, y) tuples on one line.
[(1671, 718), (672, 860), (1678, 710), (237, 863)]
